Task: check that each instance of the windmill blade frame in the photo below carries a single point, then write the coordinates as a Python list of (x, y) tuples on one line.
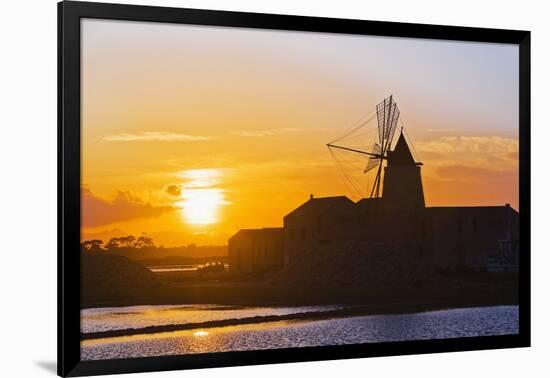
[(373, 161), (387, 114)]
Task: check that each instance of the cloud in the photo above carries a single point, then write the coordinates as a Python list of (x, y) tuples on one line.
[(173, 190), (158, 136), (488, 152), (253, 134), (465, 144), (461, 185), (98, 211), (464, 173), (266, 132), (441, 130)]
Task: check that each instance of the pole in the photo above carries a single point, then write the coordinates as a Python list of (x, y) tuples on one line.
[(379, 156)]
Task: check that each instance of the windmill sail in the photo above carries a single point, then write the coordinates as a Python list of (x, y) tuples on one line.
[(387, 114), (355, 141), (373, 161)]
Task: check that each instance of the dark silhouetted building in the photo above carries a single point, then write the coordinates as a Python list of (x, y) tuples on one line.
[(477, 237), (402, 182), (320, 221), (482, 238), (256, 250)]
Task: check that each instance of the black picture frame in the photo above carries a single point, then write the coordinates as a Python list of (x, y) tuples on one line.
[(69, 16)]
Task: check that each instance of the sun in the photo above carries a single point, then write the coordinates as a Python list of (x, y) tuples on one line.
[(202, 198), (201, 206)]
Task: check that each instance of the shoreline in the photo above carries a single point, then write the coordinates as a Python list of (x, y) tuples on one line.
[(357, 310), (249, 293)]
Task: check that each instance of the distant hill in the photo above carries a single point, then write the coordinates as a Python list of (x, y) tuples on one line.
[(100, 270), (109, 277), (104, 235), (155, 253)]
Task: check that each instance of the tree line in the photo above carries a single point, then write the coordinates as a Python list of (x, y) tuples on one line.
[(124, 242), (144, 247)]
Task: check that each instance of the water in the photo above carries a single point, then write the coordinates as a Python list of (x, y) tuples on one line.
[(482, 321), (172, 268), (114, 318), (178, 268)]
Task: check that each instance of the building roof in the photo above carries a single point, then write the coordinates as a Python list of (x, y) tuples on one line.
[(368, 201), (401, 154), (317, 206), (258, 232), (470, 209)]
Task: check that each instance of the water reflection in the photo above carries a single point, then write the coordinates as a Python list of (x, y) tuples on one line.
[(113, 318), (286, 334)]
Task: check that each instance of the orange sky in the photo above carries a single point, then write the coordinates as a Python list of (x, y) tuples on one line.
[(190, 133)]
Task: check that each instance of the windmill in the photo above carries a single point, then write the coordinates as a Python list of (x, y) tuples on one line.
[(387, 115)]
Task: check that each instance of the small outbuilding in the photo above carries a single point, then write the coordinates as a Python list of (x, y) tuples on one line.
[(256, 250)]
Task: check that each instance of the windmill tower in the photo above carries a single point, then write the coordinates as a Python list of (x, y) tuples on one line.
[(402, 183)]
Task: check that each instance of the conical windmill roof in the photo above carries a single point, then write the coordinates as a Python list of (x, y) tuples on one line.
[(401, 154)]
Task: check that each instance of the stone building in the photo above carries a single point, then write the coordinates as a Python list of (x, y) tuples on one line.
[(451, 238), (473, 237), (256, 250), (320, 221)]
